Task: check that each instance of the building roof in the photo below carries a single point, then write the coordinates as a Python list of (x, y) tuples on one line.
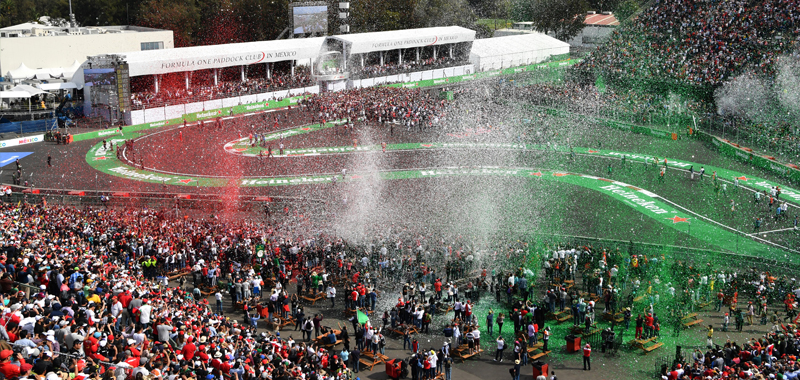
[(601, 20), (403, 39), (162, 61), (509, 45)]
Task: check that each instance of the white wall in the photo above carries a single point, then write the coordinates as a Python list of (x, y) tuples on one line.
[(62, 51)]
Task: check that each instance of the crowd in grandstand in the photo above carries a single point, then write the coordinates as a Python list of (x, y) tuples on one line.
[(181, 95), (407, 66), (700, 42)]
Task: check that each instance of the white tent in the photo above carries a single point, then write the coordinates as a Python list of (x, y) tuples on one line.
[(68, 72), (504, 52), (163, 61), (57, 86), (404, 39), (14, 94), (22, 72), (30, 90)]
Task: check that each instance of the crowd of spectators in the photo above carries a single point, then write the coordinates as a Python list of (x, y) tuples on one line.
[(87, 293), (413, 108), (699, 42), (181, 95), (408, 66)]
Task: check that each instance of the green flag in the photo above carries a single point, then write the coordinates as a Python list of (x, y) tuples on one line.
[(260, 250), (600, 83), (362, 318)]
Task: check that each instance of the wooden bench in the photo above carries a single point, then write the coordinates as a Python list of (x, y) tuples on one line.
[(314, 298), (560, 313), (378, 357), (692, 323), (330, 346), (176, 275), (538, 355), (367, 363), (466, 355), (289, 320), (564, 315), (592, 332), (690, 320), (701, 305), (618, 317), (652, 348), (640, 343), (535, 347)]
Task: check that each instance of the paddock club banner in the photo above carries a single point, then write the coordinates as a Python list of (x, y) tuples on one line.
[(193, 117)]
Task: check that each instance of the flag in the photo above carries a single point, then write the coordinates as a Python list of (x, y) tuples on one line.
[(362, 318), (600, 83)]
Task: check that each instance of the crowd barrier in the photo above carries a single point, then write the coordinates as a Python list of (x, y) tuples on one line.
[(747, 155), (30, 126)]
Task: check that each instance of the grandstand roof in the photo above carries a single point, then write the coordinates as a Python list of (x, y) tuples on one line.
[(193, 58), (601, 20), (523, 49), (403, 39)]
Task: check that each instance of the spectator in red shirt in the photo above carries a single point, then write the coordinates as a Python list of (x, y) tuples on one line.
[(188, 349), (11, 370), (587, 354)]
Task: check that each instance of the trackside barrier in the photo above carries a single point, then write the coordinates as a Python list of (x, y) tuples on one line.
[(194, 117), (745, 154)]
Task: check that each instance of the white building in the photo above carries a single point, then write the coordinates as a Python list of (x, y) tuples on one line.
[(515, 50), (598, 27), (36, 51)]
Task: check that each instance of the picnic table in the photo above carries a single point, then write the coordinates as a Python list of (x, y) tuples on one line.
[(313, 298), (535, 352), (322, 340), (563, 315), (690, 320), (462, 352), (644, 344)]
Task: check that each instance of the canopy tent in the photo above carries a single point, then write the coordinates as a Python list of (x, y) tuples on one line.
[(510, 51), (22, 72), (403, 39), (30, 90), (163, 61), (68, 72), (57, 86), (14, 94)]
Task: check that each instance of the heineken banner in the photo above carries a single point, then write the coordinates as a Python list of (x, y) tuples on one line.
[(260, 250)]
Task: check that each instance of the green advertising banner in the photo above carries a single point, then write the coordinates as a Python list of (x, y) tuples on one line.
[(746, 155), (192, 117)]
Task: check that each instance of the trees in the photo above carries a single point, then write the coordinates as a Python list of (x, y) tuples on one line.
[(428, 13), (561, 18), (180, 16), (378, 15)]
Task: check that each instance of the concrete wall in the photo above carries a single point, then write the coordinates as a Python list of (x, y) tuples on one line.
[(62, 51)]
